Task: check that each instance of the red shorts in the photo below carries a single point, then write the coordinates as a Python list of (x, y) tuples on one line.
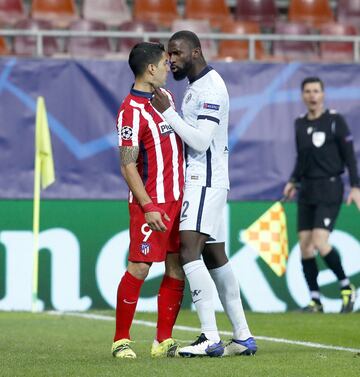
[(152, 246)]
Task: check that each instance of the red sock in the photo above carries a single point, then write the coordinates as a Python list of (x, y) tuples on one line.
[(127, 297), (169, 302)]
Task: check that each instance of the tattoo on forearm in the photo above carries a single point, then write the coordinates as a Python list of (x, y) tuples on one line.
[(128, 155)]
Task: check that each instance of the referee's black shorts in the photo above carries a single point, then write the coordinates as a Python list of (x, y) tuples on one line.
[(319, 203), (322, 215)]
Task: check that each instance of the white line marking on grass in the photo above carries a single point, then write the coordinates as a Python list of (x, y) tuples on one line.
[(195, 329)]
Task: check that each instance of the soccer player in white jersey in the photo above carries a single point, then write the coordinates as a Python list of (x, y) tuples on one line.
[(204, 129)]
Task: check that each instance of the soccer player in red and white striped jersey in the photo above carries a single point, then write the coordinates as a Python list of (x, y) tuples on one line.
[(151, 157)]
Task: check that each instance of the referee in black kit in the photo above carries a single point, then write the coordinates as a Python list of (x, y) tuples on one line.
[(324, 146)]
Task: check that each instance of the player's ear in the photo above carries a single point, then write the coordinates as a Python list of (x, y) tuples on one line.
[(151, 68), (196, 52)]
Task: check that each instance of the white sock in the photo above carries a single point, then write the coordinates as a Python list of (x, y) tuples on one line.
[(202, 295), (229, 294)]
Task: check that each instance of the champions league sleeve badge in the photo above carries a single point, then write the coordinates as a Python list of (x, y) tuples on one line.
[(126, 133)]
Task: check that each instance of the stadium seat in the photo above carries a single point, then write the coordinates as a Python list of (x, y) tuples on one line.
[(261, 11), (126, 44), (110, 12), (59, 12), (88, 46), (337, 51), (293, 50), (217, 12), (160, 12), (26, 45), (11, 11), (4, 49), (198, 26), (239, 50), (348, 11), (312, 12)]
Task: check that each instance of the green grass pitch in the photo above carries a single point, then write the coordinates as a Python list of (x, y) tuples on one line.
[(43, 344)]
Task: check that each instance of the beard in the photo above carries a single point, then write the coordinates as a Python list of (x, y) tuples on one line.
[(181, 73)]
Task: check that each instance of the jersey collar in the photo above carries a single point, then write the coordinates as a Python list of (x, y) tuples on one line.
[(201, 74), (139, 93)]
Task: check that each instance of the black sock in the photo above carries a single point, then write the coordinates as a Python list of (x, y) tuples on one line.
[(332, 259), (311, 273)]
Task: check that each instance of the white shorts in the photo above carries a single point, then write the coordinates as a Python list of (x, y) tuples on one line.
[(203, 211)]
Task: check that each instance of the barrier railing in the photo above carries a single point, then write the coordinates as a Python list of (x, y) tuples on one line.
[(146, 36)]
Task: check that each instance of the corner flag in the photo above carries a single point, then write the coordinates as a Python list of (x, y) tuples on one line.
[(268, 236), (44, 176)]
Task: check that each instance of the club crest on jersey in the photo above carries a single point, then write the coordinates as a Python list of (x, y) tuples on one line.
[(126, 133), (318, 139), (211, 106), (165, 128), (145, 248), (188, 98)]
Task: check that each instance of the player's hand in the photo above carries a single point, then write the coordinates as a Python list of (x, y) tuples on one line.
[(354, 196), (154, 216), (289, 190), (160, 100)]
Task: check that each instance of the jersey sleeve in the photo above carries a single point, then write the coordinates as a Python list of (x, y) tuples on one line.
[(128, 124), (296, 173), (344, 141), (211, 106)]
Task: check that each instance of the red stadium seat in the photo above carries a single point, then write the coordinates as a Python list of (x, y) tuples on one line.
[(239, 50), (312, 12), (88, 46), (337, 51), (217, 12), (348, 11), (110, 12), (263, 12), (59, 12), (4, 49), (126, 44), (11, 11), (198, 26), (293, 50), (160, 12), (26, 45)]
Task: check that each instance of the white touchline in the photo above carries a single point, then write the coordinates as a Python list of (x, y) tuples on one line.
[(195, 329)]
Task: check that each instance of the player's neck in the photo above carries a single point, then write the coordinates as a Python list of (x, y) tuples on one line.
[(143, 86), (316, 113), (197, 69)]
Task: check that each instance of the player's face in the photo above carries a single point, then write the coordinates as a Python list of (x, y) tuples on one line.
[(181, 62), (161, 71), (313, 96)]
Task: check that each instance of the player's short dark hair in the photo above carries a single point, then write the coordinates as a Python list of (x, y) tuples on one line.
[(311, 80), (187, 36), (143, 54)]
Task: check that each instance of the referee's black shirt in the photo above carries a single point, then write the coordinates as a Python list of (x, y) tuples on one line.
[(324, 146)]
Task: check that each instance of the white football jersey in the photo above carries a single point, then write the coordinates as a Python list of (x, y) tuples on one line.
[(206, 97)]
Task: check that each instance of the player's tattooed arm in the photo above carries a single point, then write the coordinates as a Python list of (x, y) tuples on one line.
[(128, 155)]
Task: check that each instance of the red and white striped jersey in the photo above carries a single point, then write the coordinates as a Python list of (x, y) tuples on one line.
[(160, 162)]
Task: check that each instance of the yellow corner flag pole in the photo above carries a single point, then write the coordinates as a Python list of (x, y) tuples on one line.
[(44, 176), (268, 236)]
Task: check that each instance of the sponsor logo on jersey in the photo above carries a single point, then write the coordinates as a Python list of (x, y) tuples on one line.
[(145, 248), (126, 133), (318, 138), (165, 128), (211, 106)]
